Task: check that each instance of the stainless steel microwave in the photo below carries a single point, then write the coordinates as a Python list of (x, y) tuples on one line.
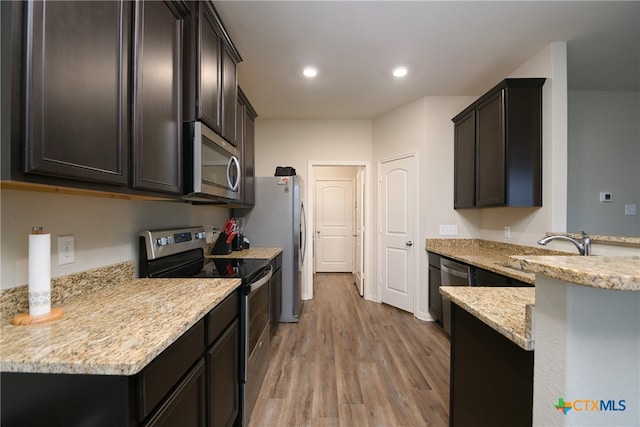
[(212, 165)]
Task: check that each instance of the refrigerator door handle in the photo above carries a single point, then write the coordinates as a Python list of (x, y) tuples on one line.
[(303, 231)]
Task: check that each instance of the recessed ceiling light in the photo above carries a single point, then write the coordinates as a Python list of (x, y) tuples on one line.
[(310, 72), (400, 72)]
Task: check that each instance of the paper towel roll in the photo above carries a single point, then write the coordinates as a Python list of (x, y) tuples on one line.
[(39, 273)]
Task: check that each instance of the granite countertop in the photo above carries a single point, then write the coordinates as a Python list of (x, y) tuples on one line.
[(251, 253), (117, 330), (620, 273), (490, 255), (506, 310)]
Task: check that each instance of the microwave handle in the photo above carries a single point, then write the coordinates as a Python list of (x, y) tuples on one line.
[(233, 159)]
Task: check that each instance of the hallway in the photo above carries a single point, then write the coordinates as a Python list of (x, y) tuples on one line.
[(351, 362)]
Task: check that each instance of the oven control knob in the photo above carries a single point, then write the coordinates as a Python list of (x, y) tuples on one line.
[(201, 235), (162, 241)]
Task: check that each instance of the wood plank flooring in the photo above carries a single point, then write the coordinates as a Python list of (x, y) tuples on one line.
[(351, 362)]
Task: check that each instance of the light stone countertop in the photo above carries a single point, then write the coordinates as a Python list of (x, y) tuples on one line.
[(251, 253), (621, 273), (506, 310), (489, 255), (117, 330)]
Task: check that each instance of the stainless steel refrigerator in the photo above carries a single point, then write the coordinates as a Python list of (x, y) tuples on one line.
[(278, 220)]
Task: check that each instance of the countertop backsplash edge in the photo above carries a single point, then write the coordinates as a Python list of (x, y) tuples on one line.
[(64, 288)]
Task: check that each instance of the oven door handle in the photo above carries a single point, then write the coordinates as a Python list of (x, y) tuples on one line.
[(265, 279)]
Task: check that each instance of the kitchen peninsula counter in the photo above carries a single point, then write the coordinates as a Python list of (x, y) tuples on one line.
[(506, 310), (489, 255), (117, 330), (620, 273)]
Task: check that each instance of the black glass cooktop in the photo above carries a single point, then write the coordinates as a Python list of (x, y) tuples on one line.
[(233, 268)]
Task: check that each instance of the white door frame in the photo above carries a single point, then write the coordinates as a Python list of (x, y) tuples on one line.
[(307, 292), (416, 259)]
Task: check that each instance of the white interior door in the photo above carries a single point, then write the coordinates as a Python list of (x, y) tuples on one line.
[(397, 219), (359, 234), (334, 226)]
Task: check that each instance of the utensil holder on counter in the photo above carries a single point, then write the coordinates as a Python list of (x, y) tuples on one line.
[(221, 247)]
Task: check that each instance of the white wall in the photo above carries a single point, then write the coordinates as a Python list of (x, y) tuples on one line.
[(296, 142), (530, 224), (423, 128), (105, 230), (583, 355), (604, 155)]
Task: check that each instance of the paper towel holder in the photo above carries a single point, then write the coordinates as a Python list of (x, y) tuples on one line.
[(24, 319)]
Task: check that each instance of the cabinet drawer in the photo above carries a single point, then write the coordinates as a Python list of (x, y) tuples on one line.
[(185, 407), (164, 372), (224, 313), (434, 259)]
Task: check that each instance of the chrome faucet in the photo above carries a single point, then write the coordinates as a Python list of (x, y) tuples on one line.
[(584, 247)]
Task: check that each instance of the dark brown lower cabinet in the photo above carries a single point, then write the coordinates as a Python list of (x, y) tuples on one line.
[(275, 294), (185, 386), (185, 407), (491, 377), (223, 375), (435, 299)]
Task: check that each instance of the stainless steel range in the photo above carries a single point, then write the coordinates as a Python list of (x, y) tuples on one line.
[(180, 253)]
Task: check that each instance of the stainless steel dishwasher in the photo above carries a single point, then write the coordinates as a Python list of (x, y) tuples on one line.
[(452, 274)]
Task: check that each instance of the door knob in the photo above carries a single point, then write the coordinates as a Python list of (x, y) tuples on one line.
[(409, 243), (318, 231)]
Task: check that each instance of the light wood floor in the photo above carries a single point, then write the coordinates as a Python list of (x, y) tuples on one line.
[(351, 362)]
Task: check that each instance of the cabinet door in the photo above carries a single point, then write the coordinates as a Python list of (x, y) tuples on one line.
[(435, 299), (276, 301), (465, 164), (229, 96), (185, 407), (209, 69), (77, 113), (223, 378), (249, 159), (158, 96), (488, 278), (245, 125), (490, 146)]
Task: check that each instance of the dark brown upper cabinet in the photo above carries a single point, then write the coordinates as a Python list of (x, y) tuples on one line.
[(76, 86), (208, 77), (96, 95), (157, 102), (229, 96), (465, 161), (212, 75), (498, 147), (245, 132)]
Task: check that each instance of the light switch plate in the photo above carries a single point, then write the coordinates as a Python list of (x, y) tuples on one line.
[(66, 249), (630, 209)]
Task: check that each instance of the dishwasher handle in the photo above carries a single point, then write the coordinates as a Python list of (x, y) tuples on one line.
[(457, 273)]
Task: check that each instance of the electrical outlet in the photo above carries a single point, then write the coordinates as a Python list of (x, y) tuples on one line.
[(448, 230), (507, 231), (66, 249)]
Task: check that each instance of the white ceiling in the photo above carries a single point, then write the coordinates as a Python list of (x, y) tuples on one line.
[(450, 47)]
